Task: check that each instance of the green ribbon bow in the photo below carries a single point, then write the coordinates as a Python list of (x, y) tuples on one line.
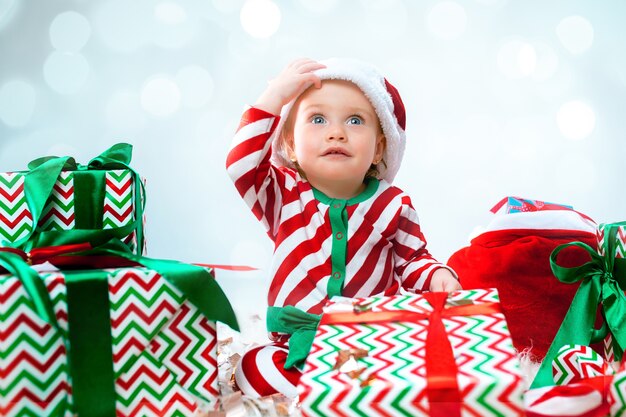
[(603, 280), (89, 193), (300, 325), (89, 344)]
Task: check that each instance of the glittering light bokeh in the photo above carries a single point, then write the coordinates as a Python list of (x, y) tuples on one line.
[(575, 33), (260, 18), (69, 32)]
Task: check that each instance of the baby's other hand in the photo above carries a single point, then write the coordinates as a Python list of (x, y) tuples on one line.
[(444, 281), (289, 84)]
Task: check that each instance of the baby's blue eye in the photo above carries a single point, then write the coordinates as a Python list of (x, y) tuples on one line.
[(355, 120), (318, 120)]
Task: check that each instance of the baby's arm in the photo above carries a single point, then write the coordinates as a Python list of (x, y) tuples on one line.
[(414, 264), (260, 183)]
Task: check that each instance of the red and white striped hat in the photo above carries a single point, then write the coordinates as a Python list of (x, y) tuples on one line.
[(384, 98)]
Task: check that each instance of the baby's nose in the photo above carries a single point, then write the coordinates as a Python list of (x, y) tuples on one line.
[(336, 133)]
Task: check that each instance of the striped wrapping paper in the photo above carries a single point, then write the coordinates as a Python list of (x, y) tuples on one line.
[(386, 376), (16, 220), (164, 350)]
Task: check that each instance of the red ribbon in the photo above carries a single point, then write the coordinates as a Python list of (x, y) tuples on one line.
[(58, 256), (47, 254), (229, 267), (442, 387)]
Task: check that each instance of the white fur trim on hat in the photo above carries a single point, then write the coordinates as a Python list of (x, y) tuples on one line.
[(375, 88)]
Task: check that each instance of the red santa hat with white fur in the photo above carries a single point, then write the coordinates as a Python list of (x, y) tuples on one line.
[(384, 98)]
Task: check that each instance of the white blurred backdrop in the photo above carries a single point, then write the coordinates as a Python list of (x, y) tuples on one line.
[(503, 98)]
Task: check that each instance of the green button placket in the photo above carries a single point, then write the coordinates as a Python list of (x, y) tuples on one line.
[(339, 226)]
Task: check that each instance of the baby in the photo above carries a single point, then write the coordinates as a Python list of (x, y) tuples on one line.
[(319, 179)]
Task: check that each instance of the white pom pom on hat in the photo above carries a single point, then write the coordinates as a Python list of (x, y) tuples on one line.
[(384, 98)]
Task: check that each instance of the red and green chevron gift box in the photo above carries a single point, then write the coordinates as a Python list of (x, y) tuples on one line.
[(58, 201), (163, 348), (59, 213), (414, 355)]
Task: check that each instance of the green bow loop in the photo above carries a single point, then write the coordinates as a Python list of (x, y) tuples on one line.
[(89, 190), (33, 285), (120, 153), (302, 327), (117, 156), (598, 286)]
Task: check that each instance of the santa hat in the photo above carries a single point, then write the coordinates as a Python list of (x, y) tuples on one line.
[(384, 98)]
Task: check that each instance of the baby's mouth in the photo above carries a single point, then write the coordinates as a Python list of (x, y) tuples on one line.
[(335, 151)]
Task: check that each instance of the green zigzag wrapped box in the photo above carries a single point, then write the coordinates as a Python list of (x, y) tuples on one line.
[(388, 374), (163, 348), (118, 208)]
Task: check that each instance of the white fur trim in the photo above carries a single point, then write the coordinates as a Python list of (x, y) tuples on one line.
[(369, 80), (542, 220)]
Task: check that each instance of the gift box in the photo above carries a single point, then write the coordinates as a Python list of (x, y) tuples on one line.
[(73, 203), (431, 354), (601, 283), (618, 237), (125, 341)]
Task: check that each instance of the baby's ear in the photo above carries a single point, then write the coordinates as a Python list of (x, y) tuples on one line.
[(288, 147), (381, 145)]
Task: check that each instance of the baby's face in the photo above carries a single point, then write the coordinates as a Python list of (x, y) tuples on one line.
[(336, 133)]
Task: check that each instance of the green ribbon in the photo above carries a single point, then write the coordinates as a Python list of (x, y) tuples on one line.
[(90, 353), (89, 189), (300, 325), (33, 285), (602, 280)]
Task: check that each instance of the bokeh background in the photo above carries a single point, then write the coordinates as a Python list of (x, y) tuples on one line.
[(522, 98)]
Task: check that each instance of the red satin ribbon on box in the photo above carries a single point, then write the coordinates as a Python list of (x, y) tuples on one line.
[(442, 387), (53, 254)]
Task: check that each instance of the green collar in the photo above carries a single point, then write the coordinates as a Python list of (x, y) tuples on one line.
[(371, 185)]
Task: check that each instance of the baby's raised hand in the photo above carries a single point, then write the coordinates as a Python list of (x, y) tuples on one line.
[(290, 83), (444, 280)]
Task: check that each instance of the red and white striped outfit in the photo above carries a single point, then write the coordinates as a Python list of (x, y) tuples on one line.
[(369, 245)]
